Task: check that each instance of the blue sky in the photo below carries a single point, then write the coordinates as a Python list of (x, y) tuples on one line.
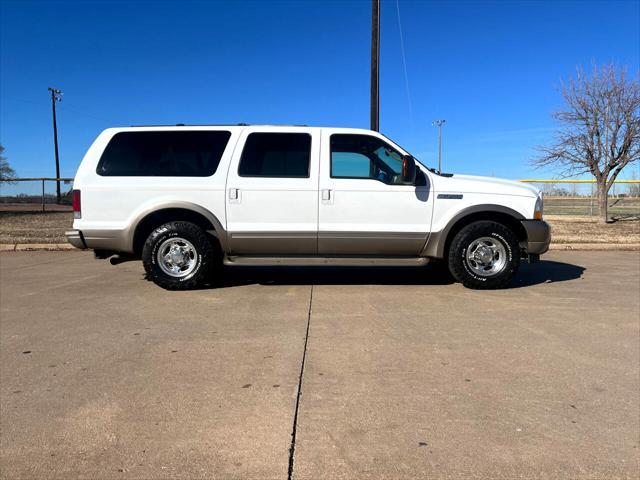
[(491, 69)]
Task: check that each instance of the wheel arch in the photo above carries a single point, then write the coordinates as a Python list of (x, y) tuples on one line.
[(175, 211), (439, 242)]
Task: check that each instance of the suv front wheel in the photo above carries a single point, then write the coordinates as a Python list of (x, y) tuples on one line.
[(484, 255), (178, 256)]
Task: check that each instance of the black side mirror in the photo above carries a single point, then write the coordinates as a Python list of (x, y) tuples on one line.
[(409, 170)]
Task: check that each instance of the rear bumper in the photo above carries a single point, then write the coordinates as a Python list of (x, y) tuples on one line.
[(75, 238), (113, 240), (538, 236)]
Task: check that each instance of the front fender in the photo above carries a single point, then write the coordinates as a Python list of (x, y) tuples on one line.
[(436, 243)]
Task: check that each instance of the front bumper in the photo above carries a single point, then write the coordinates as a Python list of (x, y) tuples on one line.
[(538, 236), (75, 238)]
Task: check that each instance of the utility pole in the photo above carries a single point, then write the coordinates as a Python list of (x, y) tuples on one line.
[(439, 123), (56, 96), (375, 65)]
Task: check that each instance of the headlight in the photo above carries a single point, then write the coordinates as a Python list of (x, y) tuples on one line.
[(537, 211)]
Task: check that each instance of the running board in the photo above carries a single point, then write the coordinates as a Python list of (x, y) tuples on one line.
[(331, 261)]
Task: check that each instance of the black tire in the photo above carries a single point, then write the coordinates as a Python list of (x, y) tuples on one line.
[(205, 257), (463, 270)]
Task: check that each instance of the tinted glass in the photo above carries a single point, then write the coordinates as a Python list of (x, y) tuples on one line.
[(350, 165), (163, 154), (276, 155), (364, 156)]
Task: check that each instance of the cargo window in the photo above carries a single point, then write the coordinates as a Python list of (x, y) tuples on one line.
[(283, 155), (163, 154)]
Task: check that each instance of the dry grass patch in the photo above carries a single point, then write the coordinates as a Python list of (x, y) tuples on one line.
[(577, 229), (34, 227)]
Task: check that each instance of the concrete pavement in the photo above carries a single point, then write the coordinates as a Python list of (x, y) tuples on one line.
[(125, 380), (104, 375)]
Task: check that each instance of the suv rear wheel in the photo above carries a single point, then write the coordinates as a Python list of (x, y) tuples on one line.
[(178, 256), (484, 255)]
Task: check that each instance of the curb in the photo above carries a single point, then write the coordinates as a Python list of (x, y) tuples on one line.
[(30, 247), (59, 247), (594, 246)]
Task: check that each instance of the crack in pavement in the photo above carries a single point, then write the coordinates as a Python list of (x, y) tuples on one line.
[(292, 448)]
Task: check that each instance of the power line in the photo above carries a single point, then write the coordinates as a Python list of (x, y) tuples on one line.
[(404, 62), (65, 108), (76, 111)]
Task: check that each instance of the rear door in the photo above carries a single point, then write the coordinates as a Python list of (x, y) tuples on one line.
[(364, 209), (272, 192)]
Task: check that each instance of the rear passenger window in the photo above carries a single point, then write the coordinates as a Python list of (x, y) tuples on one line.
[(163, 154), (276, 155)]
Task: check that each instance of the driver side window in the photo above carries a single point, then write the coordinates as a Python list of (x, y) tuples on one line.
[(366, 157)]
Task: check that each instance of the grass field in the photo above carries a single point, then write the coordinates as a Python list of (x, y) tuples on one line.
[(49, 227), (618, 207)]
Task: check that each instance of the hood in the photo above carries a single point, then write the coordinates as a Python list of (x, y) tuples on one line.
[(472, 184)]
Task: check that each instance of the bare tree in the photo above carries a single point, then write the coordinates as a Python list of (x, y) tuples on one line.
[(600, 128), (6, 172)]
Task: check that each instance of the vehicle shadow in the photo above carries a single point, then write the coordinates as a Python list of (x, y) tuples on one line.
[(546, 271), (321, 275), (433, 274)]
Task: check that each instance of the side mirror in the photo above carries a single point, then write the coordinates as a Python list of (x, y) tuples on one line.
[(409, 170)]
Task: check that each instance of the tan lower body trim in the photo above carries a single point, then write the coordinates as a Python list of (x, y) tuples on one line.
[(326, 261)]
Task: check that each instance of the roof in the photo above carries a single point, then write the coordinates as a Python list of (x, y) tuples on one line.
[(221, 125)]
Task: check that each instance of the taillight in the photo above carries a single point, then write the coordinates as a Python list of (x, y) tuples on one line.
[(77, 210)]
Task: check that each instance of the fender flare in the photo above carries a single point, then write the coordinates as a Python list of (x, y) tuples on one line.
[(219, 231), (437, 240)]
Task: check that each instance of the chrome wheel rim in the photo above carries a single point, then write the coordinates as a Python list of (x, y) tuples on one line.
[(177, 257), (486, 256)]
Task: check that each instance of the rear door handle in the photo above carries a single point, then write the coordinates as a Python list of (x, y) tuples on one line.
[(234, 195), (326, 195)]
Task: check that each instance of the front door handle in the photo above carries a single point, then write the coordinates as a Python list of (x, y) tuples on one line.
[(326, 195)]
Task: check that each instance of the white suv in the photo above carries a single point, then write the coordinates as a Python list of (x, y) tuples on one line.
[(186, 198)]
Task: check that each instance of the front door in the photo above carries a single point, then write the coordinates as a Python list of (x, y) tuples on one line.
[(364, 208), (272, 192)]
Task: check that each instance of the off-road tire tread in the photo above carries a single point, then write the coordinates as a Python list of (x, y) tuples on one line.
[(463, 239), (206, 249)]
